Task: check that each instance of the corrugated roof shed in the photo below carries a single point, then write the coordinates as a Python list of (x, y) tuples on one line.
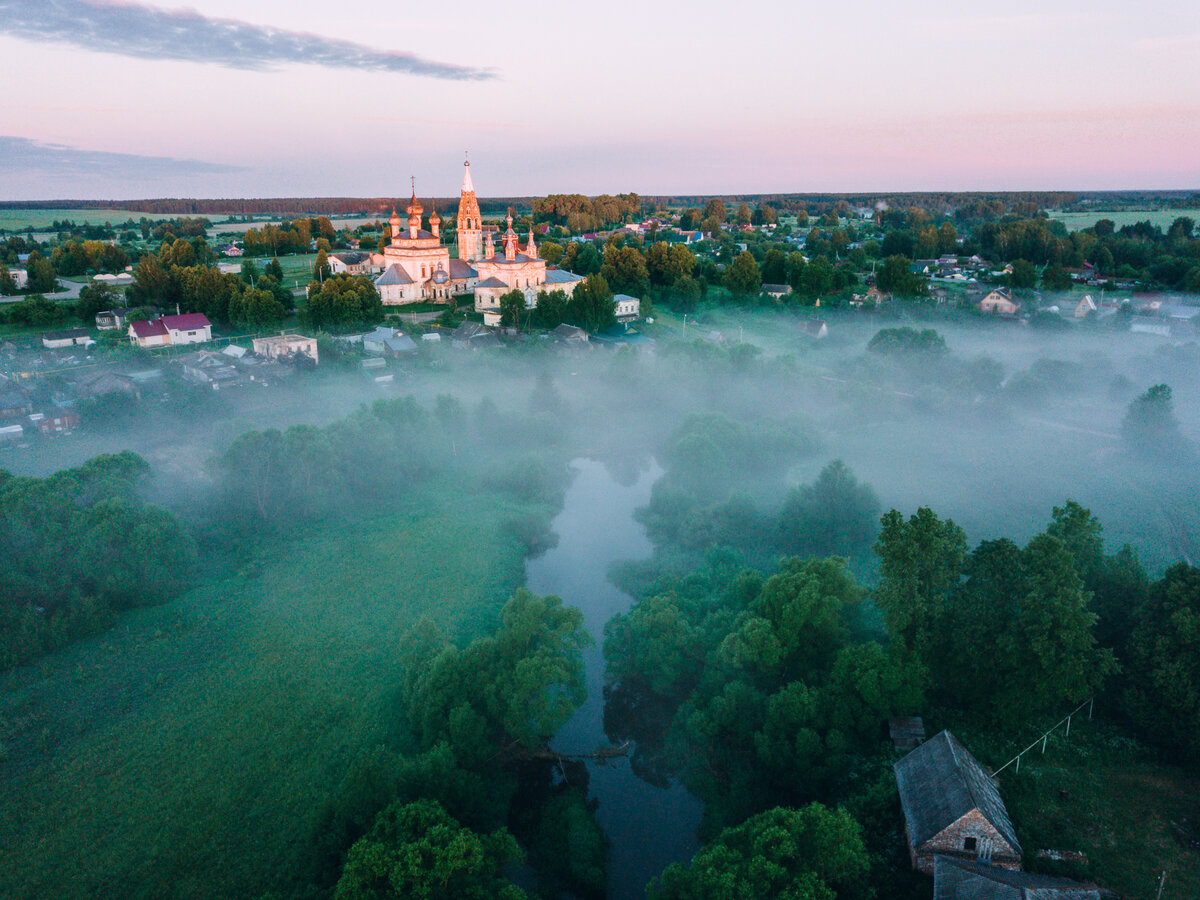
[(960, 879)]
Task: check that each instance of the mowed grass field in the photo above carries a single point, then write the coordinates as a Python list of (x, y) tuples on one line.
[(1160, 217), (188, 751)]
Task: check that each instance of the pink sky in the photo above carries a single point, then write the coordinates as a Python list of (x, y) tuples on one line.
[(656, 98)]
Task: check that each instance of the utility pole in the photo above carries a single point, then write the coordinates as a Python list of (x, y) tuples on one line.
[(1161, 881)]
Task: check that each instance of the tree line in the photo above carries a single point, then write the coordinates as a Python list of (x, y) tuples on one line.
[(1137, 252), (768, 691), (79, 546)]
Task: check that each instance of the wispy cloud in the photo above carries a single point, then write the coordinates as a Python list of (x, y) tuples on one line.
[(147, 32), (24, 158)]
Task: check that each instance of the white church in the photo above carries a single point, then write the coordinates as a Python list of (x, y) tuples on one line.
[(416, 266)]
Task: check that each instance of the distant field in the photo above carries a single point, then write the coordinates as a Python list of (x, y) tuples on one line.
[(1160, 217), (338, 222), (40, 219)]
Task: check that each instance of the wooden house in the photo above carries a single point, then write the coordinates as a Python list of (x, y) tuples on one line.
[(952, 807), (1000, 303)]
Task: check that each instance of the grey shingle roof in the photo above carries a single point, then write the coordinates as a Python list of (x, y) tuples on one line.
[(561, 276), (393, 275), (461, 269), (960, 879), (492, 282), (940, 782)]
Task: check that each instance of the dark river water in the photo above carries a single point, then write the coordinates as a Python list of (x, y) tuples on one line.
[(648, 827)]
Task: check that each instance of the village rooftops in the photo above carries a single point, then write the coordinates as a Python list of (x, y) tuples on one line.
[(962, 879)]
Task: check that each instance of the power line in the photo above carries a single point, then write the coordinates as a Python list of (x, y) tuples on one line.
[(1046, 735)]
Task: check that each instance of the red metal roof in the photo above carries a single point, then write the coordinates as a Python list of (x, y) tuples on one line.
[(186, 322), (149, 329)]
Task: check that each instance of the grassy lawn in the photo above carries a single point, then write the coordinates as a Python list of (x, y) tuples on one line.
[(1160, 217), (187, 752)]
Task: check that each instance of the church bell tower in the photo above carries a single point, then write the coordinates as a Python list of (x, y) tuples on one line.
[(470, 224)]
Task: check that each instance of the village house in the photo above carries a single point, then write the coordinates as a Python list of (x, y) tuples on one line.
[(953, 807), (569, 334), (286, 346), (961, 879), (473, 336), (14, 401), (109, 319), (205, 367), (387, 341), (627, 308), (59, 423), (95, 384), (1086, 305), (189, 328), (776, 291), (998, 302), (351, 264), (72, 337)]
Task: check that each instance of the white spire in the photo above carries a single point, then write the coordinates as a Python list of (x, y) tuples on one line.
[(466, 185)]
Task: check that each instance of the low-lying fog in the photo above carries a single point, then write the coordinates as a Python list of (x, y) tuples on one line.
[(1010, 422)]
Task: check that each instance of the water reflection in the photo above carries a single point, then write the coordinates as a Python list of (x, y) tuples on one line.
[(650, 820)]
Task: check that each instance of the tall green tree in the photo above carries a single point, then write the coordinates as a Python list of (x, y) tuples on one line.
[(417, 851), (812, 853), (1024, 274), (512, 308), (1150, 428), (834, 515), (743, 278), (896, 276), (321, 269), (41, 277), (1163, 668), (506, 691), (920, 561), (591, 306), (343, 301)]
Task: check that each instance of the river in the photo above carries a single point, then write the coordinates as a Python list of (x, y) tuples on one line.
[(647, 827)]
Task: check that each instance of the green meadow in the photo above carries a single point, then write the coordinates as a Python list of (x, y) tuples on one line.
[(1103, 795), (188, 751), (41, 219)]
